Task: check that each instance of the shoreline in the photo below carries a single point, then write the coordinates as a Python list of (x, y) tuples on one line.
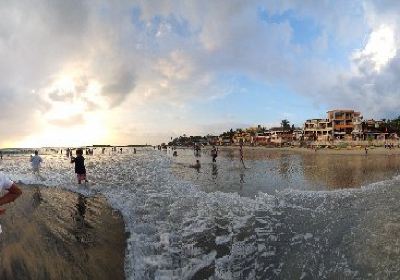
[(50, 233), (325, 151)]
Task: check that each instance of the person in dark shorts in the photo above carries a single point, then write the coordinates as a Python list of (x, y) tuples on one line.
[(80, 169)]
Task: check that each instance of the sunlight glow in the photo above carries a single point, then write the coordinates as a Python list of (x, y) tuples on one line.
[(76, 115), (65, 83), (380, 48)]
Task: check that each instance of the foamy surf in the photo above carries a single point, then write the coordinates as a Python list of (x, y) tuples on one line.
[(179, 232)]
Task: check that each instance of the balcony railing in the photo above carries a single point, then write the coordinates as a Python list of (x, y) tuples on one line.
[(344, 126), (318, 129)]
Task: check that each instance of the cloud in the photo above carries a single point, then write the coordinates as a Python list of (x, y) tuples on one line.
[(372, 85), (143, 54), (70, 121), (122, 84), (61, 96)]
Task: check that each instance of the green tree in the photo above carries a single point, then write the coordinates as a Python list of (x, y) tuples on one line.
[(285, 124)]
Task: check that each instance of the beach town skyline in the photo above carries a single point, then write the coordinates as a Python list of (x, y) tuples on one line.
[(134, 72)]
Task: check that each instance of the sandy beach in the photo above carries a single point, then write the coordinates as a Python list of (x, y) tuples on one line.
[(50, 233)]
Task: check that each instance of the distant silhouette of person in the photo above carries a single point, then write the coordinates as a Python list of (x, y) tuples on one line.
[(214, 154), (80, 169), (197, 150), (197, 165), (241, 153), (241, 180)]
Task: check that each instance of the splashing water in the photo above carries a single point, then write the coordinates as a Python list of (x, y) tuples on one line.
[(178, 231)]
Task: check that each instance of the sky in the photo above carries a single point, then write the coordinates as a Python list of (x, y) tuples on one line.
[(75, 73)]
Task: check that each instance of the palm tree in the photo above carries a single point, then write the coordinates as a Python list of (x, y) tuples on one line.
[(285, 124)]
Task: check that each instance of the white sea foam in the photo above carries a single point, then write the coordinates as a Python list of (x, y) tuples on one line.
[(179, 232)]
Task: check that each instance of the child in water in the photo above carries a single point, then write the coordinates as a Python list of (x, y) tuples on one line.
[(80, 169)]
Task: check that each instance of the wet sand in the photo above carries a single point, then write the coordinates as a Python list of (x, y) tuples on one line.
[(55, 234), (326, 151), (268, 170)]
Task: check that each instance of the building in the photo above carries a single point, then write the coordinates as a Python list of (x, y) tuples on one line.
[(358, 128), (343, 123), (281, 137), (212, 140), (224, 141), (318, 130), (297, 135), (242, 137), (339, 124), (375, 130), (262, 138)]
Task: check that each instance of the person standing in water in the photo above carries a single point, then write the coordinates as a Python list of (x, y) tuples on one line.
[(196, 166), (214, 154), (241, 153), (36, 160), (80, 169)]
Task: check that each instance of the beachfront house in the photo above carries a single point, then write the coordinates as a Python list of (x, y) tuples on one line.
[(242, 137), (318, 130), (224, 141), (212, 140), (281, 137), (358, 130), (262, 139), (343, 123), (297, 135), (375, 130)]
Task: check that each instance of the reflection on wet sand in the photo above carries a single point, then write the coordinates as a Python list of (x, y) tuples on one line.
[(340, 171), (81, 234), (47, 235), (269, 171), (36, 197), (214, 171)]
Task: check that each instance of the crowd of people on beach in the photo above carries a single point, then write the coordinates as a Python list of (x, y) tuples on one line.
[(197, 151), (78, 161)]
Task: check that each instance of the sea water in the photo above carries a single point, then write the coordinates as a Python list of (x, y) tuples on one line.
[(185, 223)]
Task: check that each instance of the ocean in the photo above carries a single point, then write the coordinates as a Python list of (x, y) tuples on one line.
[(282, 216)]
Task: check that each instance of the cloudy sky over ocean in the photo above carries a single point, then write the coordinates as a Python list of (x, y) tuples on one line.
[(133, 72)]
